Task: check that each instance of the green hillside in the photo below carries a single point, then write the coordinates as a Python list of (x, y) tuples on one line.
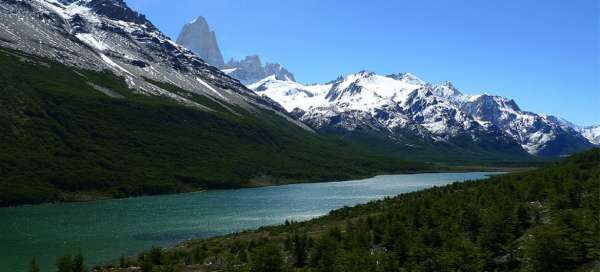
[(62, 140)]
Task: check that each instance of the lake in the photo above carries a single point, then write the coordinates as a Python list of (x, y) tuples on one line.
[(105, 230)]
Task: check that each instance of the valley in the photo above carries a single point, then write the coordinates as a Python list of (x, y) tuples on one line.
[(124, 150), (67, 141)]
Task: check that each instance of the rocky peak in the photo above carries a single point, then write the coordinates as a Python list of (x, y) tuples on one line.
[(279, 71), (115, 10), (364, 74), (249, 62), (408, 78), (448, 84), (498, 102), (198, 37), (251, 70), (446, 89)]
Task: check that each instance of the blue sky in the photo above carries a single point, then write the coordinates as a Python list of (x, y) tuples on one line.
[(543, 54)]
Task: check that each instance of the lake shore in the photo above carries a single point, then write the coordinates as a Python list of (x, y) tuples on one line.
[(265, 181), (105, 230)]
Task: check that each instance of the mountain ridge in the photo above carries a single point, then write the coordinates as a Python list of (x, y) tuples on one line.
[(404, 101)]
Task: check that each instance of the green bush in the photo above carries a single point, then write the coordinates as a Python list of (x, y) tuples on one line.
[(267, 258)]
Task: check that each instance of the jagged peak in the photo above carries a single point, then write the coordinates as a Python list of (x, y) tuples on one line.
[(408, 78), (363, 74), (448, 84), (447, 89), (115, 10), (199, 20), (495, 99), (338, 79)]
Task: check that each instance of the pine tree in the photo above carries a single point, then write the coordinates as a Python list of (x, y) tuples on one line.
[(267, 258), (78, 263), (64, 263), (34, 266), (122, 262), (300, 251)]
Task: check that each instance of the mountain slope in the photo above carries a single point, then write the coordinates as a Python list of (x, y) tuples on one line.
[(96, 102), (73, 133), (404, 109), (106, 34)]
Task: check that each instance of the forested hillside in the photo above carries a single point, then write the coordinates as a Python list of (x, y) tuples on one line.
[(542, 220), (76, 134)]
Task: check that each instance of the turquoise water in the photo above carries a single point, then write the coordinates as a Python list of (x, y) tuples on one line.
[(105, 230)]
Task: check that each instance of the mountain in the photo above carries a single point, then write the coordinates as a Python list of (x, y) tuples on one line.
[(405, 110), (250, 70), (107, 35), (96, 102), (592, 133), (198, 37)]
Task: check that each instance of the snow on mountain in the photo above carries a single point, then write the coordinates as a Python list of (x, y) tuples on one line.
[(290, 94), (403, 103), (251, 70), (107, 34), (537, 134), (592, 133)]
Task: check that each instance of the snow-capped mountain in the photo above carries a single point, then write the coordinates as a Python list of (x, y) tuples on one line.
[(401, 104), (592, 133), (538, 134), (107, 34)]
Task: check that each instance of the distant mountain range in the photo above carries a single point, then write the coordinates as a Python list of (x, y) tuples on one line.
[(409, 111), (404, 110), (198, 37)]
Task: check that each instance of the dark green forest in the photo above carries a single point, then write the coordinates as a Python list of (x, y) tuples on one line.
[(542, 220), (63, 140)]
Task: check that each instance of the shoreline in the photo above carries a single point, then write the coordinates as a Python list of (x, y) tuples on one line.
[(94, 196), (188, 244)]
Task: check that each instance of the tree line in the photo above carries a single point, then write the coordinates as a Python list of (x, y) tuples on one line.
[(541, 220)]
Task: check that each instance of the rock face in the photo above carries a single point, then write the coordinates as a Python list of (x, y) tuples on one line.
[(250, 70), (402, 108), (198, 37)]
